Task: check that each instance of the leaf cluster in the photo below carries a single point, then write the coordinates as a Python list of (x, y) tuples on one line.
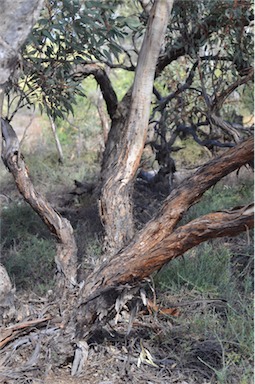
[(203, 71), (67, 34)]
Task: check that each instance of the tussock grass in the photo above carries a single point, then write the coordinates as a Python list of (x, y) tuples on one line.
[(214, 338), (27, 249), (220, 333)]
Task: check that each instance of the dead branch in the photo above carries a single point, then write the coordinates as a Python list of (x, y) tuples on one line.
[(10, 333)]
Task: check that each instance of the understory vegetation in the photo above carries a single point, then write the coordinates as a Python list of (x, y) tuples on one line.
[(119, 124), (211, 338)]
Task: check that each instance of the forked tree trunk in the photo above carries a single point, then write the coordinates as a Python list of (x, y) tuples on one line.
[(160, 240), (128, 134)]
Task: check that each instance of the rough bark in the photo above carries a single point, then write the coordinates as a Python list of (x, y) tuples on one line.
[(103, 117), (66, 256), (7, 308), (160, 241), (128, 134)]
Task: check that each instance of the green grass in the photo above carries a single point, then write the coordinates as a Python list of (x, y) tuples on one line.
[(205, 269), (218, 269), (221, 197), (27, 248), (210, 272), (31, 265)]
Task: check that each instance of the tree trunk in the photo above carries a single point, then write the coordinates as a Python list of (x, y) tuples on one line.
[(160, 241), (128, 134), (103, 116), (16, 21)]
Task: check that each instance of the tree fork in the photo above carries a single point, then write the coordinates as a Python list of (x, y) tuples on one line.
[(159, 241), (128, 134)]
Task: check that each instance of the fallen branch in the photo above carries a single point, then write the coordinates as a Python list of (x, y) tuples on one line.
[(11, 333)]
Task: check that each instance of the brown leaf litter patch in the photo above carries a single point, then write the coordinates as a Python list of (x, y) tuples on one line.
[(158, 348)]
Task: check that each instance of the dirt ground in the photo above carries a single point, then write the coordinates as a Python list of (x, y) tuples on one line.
[(150, 354)]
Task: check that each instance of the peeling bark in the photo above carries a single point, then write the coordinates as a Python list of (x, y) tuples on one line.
[(128, 134), (160, 241)]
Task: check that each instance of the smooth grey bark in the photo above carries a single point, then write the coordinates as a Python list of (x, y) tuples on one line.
[(16, 20)]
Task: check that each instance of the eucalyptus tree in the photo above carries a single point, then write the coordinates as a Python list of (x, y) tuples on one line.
[(73, 40), (202, 59)]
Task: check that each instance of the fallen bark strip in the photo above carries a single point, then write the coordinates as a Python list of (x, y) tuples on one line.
[(66, 255), (159, 241), (11, 333)]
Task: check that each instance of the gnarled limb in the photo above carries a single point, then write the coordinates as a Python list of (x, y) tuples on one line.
[(159, 241), (66, 257), (109, 95)]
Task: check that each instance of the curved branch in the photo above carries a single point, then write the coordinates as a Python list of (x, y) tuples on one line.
[(66, 257), (104, 82), (219, 99), (199, 35), (130, 266), (159, 241)]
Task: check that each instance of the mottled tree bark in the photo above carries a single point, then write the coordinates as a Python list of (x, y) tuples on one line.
[(160, 240), (16, 21), (128, 134)]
